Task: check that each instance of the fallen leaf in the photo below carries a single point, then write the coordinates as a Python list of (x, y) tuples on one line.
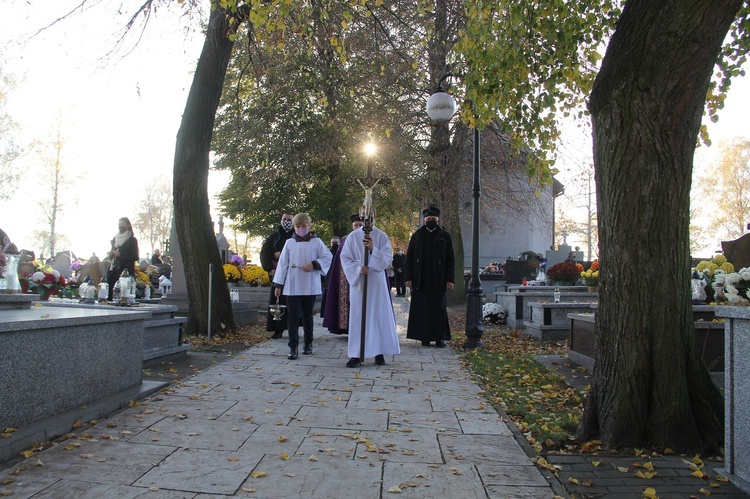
[(650, 493), (282, 438), (649, 466), (233, 459), (596, 463), (249, 489), (313, 458), (258, 474), (38, 463), (6, 493), (395, 489), (573, 480), (284, 456), (623, 469), (705, 492)]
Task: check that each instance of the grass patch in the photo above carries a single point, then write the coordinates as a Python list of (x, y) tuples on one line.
[(541, 405)]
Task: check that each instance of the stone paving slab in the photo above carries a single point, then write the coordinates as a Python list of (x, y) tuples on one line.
[(259, 425)]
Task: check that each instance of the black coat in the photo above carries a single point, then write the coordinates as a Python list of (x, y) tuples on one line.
[(443, 256), (274, 242)]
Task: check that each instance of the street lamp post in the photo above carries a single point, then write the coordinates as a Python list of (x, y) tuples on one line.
[(441, 107)]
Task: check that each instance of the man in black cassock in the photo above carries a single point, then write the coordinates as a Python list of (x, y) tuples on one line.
[(269, 258), (429, 272)]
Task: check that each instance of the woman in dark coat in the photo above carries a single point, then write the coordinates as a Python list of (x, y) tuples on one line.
[(429, 271), (124, 253)]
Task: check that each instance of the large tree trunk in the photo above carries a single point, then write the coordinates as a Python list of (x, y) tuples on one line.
[(650, 386), (191, 209)]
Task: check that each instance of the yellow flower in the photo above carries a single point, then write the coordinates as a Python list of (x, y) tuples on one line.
[(719, 259), (252, 273), (727, 267), (231, 272)]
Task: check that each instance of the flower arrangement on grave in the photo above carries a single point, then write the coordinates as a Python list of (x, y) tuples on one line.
[(709, 270), (732, 288), (565, 273), (47, 282), (493, 313), (231, 272), (590, 277), (492, 268), (142, 280), (237, 260), (255, 275)]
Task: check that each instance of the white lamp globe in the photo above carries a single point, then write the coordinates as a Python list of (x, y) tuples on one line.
[(441, 106)]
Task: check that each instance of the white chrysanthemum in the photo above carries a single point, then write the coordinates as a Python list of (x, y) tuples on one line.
[(37, 276), (56, 274), (745, 274), (732, 278), (734, 298)]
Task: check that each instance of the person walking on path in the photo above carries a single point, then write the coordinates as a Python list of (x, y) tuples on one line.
[(303, 260), (124, 253), (381, 337), (269, 258), (334, 248), (336, 315), (429, 271), (399, 260)]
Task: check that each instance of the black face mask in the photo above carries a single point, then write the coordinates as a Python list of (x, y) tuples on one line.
[(431, 225)]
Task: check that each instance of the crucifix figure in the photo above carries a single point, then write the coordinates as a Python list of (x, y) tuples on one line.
[(368, 182)]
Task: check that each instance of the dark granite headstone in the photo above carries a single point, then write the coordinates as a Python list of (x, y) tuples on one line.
[(738, 251)]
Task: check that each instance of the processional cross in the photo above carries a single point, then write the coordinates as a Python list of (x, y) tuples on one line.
[(368, 183)]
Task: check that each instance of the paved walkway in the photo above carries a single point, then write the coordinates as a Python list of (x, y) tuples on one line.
[(259, 425)]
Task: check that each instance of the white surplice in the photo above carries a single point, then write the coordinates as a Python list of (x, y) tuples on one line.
[(380, 323), (294, 256)]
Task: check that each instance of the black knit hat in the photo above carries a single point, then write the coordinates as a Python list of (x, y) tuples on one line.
[(356, 218), (431, 212)]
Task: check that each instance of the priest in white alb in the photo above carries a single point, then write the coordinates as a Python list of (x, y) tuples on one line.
[(381, 338)]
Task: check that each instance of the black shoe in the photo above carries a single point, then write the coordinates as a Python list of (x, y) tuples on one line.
[(440, 344), (292, 353), (354, 362), (425, 343), (380, 360), (308, 349), (277, 335)]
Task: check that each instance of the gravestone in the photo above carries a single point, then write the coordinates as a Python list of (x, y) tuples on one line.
[(94, 269), (222, 243), (738, 251), (62, 261)]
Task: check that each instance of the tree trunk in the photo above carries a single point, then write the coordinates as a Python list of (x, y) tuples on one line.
[(191, 208), (650, 386)]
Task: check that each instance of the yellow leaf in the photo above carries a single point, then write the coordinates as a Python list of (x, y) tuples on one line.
[(395, 489), (705, 492), (650, 493), (28, 453), (284, 456), (697, 460), (573, 480), (623, 469), (248, 489), (668, 451), (313, 458), (596, 463), (258, 474), (721, 478), (10, 430), (233, 459), (282, 438), (697, 474), (649, 466)]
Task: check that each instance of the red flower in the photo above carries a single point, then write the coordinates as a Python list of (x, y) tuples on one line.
[(565, 271)]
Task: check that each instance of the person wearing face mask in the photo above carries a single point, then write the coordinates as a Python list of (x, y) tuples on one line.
[(399, 260), (123, 254), (429, 272), (303, 260), (381, 337), (336, 313), (269, 258)]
